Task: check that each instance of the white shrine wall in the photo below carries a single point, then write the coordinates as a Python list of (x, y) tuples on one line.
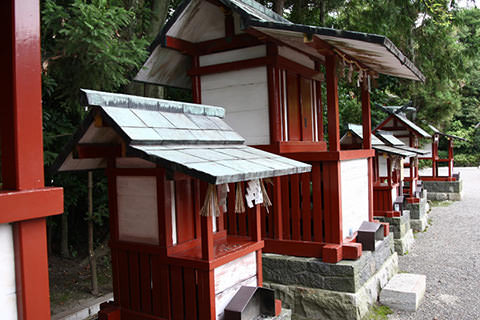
[(354, 186), (244, 95), (230, 277), (8, 296), (382, 166)]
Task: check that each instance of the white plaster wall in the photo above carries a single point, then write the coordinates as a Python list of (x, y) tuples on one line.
[(244, 95), (405, 140), (354, 179), (382, 166), (137, 209), (230, 277), (8, 296), (233, 55)]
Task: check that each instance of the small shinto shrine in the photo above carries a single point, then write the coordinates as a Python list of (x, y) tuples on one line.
[(268, 73), (175, 171), (442, 187), (410, 134), (388, 199)]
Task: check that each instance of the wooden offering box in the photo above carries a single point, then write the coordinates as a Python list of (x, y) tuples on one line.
[(409, 134), (268, 73), (167, 162)]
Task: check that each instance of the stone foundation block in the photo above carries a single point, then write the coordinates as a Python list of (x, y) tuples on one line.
[(419, 225), (398, 225), (404, 291), (344, 276), (313, 303), (403, 245)]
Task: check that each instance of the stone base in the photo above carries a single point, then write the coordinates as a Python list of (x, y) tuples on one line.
[(402, 233), (314, 289), (444, 190), (418, 213), (286, 314), (312, 303), (405, 291), (419, 225), (403, 245)]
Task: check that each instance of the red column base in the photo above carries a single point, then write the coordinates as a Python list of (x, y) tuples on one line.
[(332, 253), (413, 200), (386, 227), (278, 307), (352, 250), (109, 311)]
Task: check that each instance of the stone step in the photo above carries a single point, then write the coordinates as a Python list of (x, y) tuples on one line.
[(405, 291)]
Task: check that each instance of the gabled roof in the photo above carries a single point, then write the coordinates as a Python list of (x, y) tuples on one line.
[(377, 144), (357, 130), (192, 17), (394, 150), (189, 138), (436, 131), (406, 122), (391, 140)]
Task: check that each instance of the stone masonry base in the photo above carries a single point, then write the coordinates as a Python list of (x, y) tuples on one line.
[(444, 190), (313, 289), (402, 233), (418, 213)]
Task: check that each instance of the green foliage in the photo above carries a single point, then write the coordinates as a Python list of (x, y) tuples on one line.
[(378, 312), (98, 45)]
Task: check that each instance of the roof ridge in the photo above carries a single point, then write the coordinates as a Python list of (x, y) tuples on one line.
[(119, 100)]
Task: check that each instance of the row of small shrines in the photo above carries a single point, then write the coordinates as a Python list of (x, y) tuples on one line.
[(197, 193)]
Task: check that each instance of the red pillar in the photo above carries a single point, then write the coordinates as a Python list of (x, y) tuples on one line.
[(332, 104), (22, 154), (367, 144)]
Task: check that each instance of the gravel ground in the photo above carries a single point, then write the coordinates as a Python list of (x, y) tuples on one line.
[(448, 253)]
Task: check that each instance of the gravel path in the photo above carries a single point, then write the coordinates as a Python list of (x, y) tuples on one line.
[(448, 253)]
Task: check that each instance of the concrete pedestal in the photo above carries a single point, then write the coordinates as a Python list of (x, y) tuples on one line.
[(405, 291), (313, 289), (444, 190)]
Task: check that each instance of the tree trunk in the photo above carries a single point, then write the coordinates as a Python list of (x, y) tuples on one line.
[(91, 251), (279, 6), (64, 252), (323, 8)]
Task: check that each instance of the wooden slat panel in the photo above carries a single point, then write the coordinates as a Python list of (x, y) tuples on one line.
[(264, 218), (286, 206), (295, 194), (306, 207), (134, 277), (190, 293), (277, 210), (294, 132), (306, 109), (270, 214), (206, 295), (232, 217), (145, 283), (125, 284), (242, 217), (197, 207), (160, 288), (317, 202), (176, 290), (185, 210)]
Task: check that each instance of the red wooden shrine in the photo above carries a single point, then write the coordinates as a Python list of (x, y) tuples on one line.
[(437, 161), (387, 170), (410, 134), (25, 202), (269, 74), (169, 262)]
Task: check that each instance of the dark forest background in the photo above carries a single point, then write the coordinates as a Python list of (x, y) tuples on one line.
[(101, 44)]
